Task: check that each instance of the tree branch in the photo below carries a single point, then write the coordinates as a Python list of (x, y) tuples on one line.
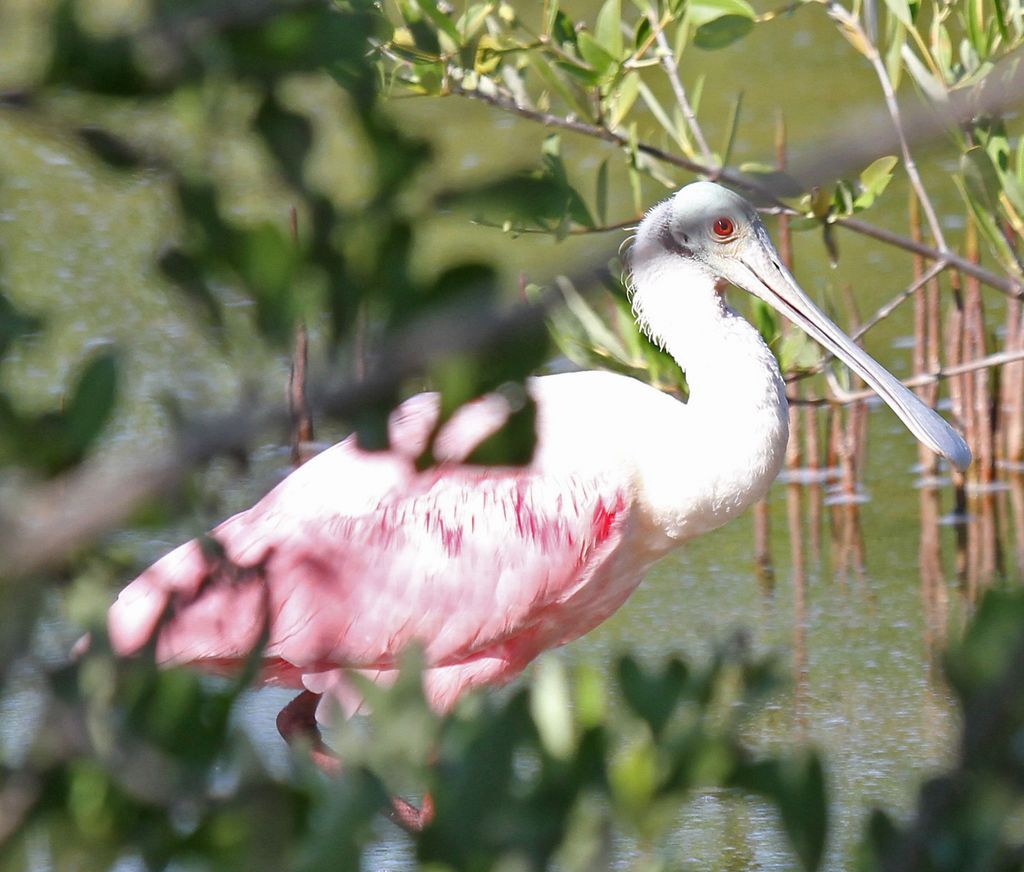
[(764, 191), (668, 63), (56, 518), (850, 23)]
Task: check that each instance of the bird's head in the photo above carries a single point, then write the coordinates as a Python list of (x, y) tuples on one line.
[(711, 230)]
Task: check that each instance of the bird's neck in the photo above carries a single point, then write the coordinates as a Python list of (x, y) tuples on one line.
[(735, 431), (725, 360)]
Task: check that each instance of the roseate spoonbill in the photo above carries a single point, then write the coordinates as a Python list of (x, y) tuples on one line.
[(356, 555)]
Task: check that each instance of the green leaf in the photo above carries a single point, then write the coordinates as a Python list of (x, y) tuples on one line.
[(894, 53), (633, 776), (514, 443), (574, 208), (557, 84), (1014, 191), (601, 197), (993, 137), (424, 37), (623, 98), (595, 55), (764, 318), (597, 332), (942, 48), (77, 60), (441, 21), (265, 257), (183, 270), (719, 23), (981, 191), (901, 10), (111, 149), (990, 646), (534, 200), (842, 197), (722, 32), (608, 28), (559, 26), (1004, 31), (933, 88), (288, 135), (661, 116), (635, 181), (734, 123), (874, 180), (796, 785), (91, 404), (652, 694), (488, 54), (474, 19), (821, 203), (828, 239), (14, 324), (976, 32), (798, 352), (266, 260), (370, 423), (643, 33), (855, 36), (551, 710)]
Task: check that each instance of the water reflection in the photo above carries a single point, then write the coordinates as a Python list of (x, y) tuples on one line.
[(987, 537), (797, 556), (1015, 480), (934, 594), (828, 562)]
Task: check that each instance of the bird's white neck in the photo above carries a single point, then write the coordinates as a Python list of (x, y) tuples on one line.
[(735, 426)]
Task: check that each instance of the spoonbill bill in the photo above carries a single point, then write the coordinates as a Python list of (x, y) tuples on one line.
[(357, 555)]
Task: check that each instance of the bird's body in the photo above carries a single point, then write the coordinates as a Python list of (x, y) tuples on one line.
[(355, 556)]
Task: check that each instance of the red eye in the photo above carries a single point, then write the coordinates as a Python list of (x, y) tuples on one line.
[(723, 227)]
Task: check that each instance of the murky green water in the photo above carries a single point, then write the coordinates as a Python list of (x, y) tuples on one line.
[(849, 611)]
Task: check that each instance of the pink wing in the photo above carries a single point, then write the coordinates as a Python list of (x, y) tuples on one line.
[(357, 555)]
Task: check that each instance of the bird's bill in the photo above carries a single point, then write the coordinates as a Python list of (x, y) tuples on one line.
[(765, 277)]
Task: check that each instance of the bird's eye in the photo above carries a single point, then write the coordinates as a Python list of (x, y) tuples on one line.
[(723, 227)]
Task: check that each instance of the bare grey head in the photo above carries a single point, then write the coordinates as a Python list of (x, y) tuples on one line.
[(707, 227), (707, 223)]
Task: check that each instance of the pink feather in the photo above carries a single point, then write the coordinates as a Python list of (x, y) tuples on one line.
[(357, 555)]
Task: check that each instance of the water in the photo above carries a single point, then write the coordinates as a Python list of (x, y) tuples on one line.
[(859, 602)]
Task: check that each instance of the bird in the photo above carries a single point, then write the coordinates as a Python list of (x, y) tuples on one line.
[(358, 555)]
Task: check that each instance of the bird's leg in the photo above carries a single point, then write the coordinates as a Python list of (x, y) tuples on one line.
[(297, 721), (408, 817)]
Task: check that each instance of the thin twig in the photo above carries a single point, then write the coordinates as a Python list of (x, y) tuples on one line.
[(849, 22), (668, 62), (886, 309), (628, 224), (843, 397)]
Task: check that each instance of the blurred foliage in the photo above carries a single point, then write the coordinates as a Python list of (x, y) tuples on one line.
[(132, 761), (969, 816), (129, 763)]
